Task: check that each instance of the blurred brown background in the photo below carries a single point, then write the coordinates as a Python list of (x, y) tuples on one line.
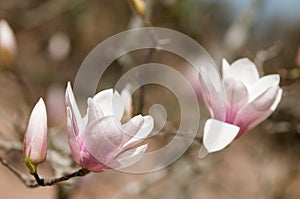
[(54, 36)]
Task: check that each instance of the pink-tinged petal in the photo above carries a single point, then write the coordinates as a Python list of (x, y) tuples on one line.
[(262, 85), (217, 135), (88, 161), (236, 96), (142, 133), (213, 92), (71, 102), (128, 158), (110, 103), (255, 112), (35, 143), (103, 139), (74, 147), (127, 100), (225, 69), (277, 100), (245, 70), (266, 114), (131, 127), (93, 112)]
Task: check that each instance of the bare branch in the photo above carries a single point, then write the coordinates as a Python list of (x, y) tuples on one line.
[(49, 182), (27, 180)]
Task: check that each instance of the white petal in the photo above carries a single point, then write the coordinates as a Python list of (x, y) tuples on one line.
[(110, 103), (143, 132), (277, 100), (245, 70), (71, 102), (129, 157), (225, 69), (217, 135), (262, 85), (131, 127), (93, 112)]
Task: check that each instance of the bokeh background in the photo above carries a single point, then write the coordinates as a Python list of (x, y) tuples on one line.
[(54, 37)]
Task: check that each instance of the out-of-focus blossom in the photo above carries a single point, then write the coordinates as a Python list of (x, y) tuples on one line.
[(99, 141), (249, 100), (8, 46), (35, 140), (59, 46)]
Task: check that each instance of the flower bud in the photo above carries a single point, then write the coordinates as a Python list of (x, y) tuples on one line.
[(8, 46), (35, 141)]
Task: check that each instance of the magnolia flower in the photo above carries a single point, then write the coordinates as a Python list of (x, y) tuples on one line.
[(99, 141), (8, 45), (249, 100), (35, 140)]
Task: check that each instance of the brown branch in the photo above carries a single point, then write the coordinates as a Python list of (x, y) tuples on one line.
[(30, 182), (27, 180), (49, 182)]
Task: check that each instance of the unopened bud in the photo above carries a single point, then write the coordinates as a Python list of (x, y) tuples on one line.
[(8, 46), (35, 141)]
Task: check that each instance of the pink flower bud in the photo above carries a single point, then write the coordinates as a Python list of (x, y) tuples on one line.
[(35, 141), (8, 46)]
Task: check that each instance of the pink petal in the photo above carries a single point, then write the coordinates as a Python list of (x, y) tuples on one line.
[(236, 96), (71, 102), (255, 112), (213, 92), (266, 114), (110, 103), (75, 149), (244, 69), (103, 139), (35, 145), (88, 161)]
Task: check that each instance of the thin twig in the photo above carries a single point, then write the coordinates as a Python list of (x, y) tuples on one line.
[(27, 180), (49, 182)]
